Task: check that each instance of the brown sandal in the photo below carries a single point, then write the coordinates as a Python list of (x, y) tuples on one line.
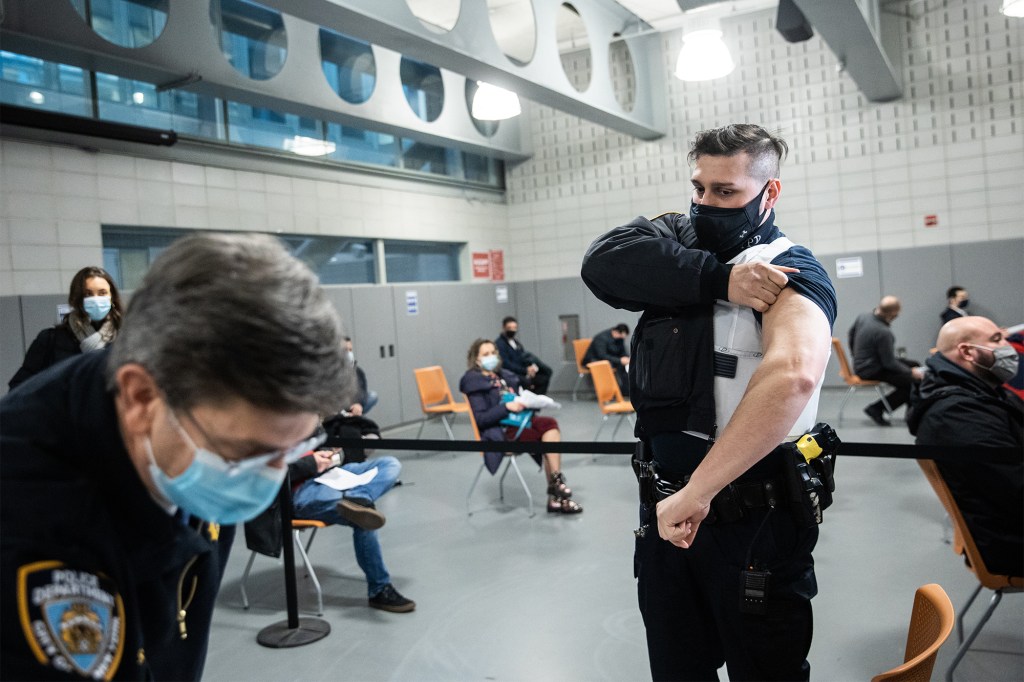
[(557, 487), (563, 506)]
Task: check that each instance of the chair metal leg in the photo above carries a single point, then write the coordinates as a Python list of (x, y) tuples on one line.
[(575, 387), (473, 487), (310, 571), (447, 427), (522, 481), (245, 577), (996, 597), (604, 419), (881, 394), (501, 481), (422, 424), (843, 404), (963, 612)]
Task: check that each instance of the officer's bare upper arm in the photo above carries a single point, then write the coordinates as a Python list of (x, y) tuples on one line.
[(796, 329)]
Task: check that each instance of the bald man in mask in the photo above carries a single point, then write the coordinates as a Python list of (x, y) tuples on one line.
[(964, 403)]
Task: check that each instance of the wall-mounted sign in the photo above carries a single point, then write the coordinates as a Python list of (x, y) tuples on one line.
[(497, 265), (412, 303), (481, 265), (849, 267), (501, 293), (931, 221)]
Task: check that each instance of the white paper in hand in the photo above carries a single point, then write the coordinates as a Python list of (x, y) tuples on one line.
[(340, 479), (532, 401)]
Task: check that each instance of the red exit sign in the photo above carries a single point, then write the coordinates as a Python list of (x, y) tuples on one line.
[(931, 221)]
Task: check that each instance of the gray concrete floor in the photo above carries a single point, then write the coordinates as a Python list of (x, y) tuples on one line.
[(502, 596)]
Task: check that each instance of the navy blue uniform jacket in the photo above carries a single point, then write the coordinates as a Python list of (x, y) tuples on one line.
[(92, 568)]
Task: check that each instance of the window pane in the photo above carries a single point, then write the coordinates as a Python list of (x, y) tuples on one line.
[(269, 128), (128, 23), (428, 158), (362, 146), (408, 261), (39, 84), (252, 37), (139, 103), (348, 65), (129, 251)]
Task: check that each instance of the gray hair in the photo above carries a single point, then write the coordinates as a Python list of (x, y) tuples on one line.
[(220, 317)]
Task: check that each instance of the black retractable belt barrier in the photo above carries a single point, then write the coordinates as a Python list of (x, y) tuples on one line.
[(846, 449)]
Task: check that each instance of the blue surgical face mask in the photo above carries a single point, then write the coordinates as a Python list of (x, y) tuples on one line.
[(489, 362), (226, 492), (96, 307)]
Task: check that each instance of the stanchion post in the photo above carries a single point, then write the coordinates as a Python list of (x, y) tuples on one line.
[(294, 631)]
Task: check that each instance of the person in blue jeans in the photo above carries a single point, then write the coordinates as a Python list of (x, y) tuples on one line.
[(355, 508)]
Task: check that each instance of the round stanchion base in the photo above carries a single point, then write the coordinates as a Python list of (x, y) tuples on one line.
[(280, 636)]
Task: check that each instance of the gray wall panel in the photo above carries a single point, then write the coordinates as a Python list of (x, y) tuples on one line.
[(855, 296), (12, 341), (373, 329), (993, 274), (415, 335), (916, 276)]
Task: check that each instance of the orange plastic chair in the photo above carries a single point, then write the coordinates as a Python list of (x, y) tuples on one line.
[(931, 621), (510, 456), (852, 380), (609, 397), (299, 526), (436, 398), (964, 545), (580, 348)]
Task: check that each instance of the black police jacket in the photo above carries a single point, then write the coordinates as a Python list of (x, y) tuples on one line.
[(93, 573), (652, 265)]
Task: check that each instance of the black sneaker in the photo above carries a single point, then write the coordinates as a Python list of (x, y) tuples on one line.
[(360, 512), (389, 599)]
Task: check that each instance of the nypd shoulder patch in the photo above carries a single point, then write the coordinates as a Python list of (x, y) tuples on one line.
[(73, 620)]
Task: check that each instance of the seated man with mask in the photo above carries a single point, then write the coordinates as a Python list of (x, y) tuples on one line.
[(123, 470), (963, 403), (533, 374)]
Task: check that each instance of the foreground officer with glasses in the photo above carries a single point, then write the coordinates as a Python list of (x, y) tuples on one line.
[(118, 468)]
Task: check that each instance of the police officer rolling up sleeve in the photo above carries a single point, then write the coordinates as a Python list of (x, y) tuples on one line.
[(728, 360)]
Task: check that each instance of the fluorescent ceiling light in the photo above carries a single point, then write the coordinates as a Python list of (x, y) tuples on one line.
[(1013, 8), (36, 97), (704, 57), (309, 146), (138, 97), (491, 103)]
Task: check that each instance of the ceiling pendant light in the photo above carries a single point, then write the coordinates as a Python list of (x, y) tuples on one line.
[(704, 56), (491, 103), (1013, 8)]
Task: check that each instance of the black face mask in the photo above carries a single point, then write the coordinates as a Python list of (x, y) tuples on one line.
[(510, 335), (727, 231)]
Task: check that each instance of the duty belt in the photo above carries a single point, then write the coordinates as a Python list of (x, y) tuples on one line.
[(729, 504)]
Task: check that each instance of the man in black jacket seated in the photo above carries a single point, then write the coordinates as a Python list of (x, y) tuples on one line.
[(717, 387), (610, 345), (123, 470), (963, 403), (533, 374)]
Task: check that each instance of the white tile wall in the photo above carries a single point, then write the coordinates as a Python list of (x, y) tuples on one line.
[(52, 207), (867, 173)]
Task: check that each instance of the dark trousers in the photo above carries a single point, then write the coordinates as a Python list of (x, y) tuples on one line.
[(539, 383), (901, 384), (690, 599)]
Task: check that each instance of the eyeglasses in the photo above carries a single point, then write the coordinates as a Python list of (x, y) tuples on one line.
[(254, 462)]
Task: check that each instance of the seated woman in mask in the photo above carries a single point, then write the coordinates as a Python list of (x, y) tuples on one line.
[(93, 322), (489, 388)]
